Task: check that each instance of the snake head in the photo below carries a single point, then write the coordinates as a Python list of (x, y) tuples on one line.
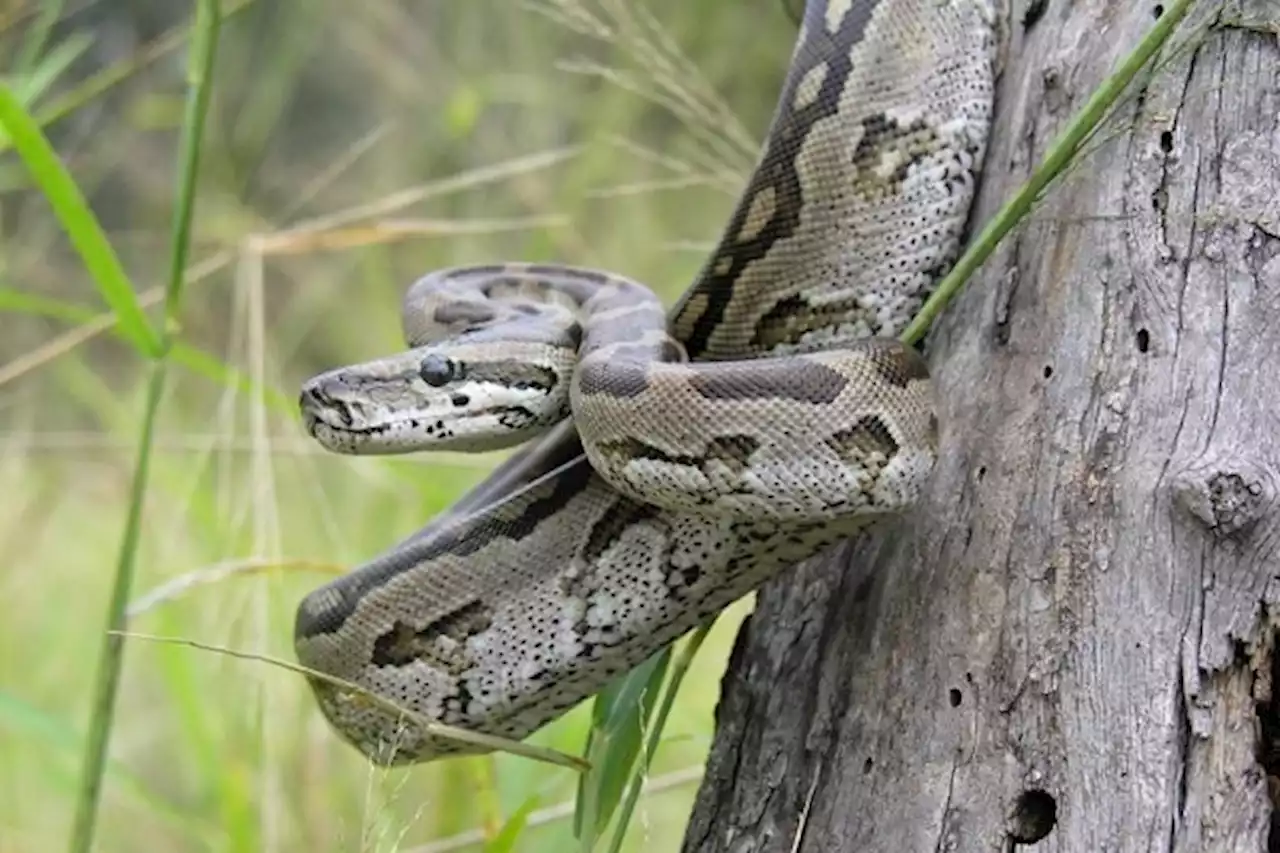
[(451, 397)]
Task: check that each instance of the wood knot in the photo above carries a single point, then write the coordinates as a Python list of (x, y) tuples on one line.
[(1227, 498)]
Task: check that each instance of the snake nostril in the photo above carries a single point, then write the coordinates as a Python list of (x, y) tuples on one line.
[(316, 400), (312, 398)]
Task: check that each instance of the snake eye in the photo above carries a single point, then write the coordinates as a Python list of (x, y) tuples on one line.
[(436, 370)]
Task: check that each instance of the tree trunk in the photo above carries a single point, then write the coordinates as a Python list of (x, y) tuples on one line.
[(1071, 640)]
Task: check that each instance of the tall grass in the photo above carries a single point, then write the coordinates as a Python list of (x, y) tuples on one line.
[(155, 344), (344, 154)]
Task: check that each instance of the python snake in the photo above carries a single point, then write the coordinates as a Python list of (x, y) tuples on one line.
[(684, 459)]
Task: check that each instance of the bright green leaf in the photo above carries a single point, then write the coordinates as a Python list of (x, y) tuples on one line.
[(618, 720), (78, 221)]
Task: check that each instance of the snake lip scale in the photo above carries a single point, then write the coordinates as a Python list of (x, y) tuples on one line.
[(673, 461)]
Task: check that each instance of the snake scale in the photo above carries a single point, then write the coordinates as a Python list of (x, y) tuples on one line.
[(681, 459)]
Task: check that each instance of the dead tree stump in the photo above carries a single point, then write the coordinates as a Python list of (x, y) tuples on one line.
[(1071, 643)]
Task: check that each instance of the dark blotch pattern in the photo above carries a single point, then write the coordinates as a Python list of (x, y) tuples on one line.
[(462, 701), (593, 276), (623, 371), (869, 435), (582, 584), (898, 365), (324, 610), (790, 319), (875, 130), (624, 378), (733, 450), (632, 448), (804, 381), (402, 645), (609, 527), (476, 271), (517, 374), (464, 313), (777, 166), (571, 336), (516, 418), (398, 647), (672, 352)]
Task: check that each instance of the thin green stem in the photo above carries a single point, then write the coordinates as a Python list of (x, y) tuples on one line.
[(111, 653), (204, 45), (1058, 158), (111, 657)]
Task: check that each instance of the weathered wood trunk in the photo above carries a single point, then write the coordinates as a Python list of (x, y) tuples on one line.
[(1072, 641)]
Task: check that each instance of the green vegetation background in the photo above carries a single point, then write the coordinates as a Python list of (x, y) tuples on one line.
[(349, 148)]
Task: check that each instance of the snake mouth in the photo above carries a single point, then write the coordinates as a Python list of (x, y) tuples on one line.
[(348, 440), (331, 421)]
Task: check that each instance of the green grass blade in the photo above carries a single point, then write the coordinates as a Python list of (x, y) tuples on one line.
[(654, 727), (95, 85), (36, 81), (33, 44), (111, 653), (77, 220), (618, 719), (200, 87), (197, 361), (33, 304), (505, 840), (111, 656)]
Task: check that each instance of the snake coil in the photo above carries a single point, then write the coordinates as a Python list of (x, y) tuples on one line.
[(685, 458)]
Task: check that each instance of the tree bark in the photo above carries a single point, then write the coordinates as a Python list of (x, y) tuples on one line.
[(1071, 642)]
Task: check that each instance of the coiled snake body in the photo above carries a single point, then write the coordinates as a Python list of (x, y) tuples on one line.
[(770, 415)]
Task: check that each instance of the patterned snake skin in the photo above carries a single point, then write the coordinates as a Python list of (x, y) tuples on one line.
[(768, 416)]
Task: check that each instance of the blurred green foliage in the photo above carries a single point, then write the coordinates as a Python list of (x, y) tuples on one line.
[(350, 148)]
